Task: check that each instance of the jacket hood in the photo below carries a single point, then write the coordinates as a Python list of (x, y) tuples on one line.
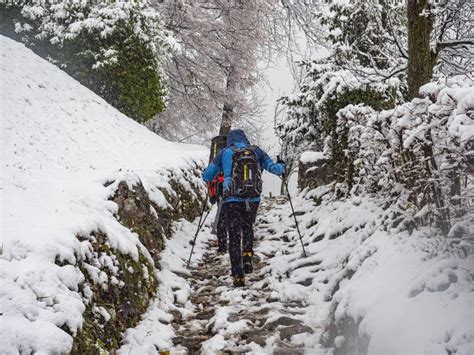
[(237, 136)]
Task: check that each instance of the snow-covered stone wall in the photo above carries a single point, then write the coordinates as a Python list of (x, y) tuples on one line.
[(88, 196), (314, 169)]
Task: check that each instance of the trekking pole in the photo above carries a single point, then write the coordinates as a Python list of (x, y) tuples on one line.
[(292, 209), (200, 225)]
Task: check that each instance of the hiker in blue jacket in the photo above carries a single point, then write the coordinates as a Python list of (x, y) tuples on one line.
[(242, 164)]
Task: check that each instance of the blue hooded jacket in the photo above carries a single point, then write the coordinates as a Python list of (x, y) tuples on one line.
[(223, 162)]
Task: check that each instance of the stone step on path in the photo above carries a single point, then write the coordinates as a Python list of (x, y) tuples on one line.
[(229, 320)]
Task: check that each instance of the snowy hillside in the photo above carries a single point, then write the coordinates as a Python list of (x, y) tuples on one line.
[(64, 151)]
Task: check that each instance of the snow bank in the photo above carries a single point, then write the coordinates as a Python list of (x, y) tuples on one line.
[(368, 285), (61, 147), (155, 330)]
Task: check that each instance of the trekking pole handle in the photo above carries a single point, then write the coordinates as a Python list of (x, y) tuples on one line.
[(280, 161)]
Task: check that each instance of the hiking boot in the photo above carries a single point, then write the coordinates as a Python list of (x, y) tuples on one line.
[(247, 265), (247, 262), (239, 281)]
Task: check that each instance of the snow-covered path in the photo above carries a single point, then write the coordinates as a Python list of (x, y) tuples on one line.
[(238, 320), (354, 290)]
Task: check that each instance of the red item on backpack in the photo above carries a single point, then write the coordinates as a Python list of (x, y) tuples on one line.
[(215, 187)]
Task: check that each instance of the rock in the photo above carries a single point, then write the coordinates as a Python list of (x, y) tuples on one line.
[(295, 304), (287, 332), (135, 212), (177, 317), (306, 282), (282, 321), (207, 314), (257, 337), (315, 172), (288, 351), (345, 337), (271, 299)]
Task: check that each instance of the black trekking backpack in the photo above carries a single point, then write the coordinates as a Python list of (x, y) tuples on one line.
[(246, 173)]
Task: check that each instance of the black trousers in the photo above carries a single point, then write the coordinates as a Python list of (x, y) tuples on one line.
[(239, 218), (221, 230)]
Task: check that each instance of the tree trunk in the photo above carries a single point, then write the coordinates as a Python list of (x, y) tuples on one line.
[(226, 123), (421, 60), (228, 108)]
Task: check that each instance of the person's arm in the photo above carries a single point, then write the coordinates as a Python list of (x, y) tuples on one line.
[(213, 169), (268, 164)]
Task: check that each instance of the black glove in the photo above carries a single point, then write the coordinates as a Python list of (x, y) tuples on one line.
[(280, 161), (213, 199)]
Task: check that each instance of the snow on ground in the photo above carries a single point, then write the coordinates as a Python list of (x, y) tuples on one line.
[(155, 332), (412, 294), (60, 144), (388, 291)]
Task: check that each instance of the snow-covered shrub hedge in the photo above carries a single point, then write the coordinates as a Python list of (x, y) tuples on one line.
[(366, 65), (417, 154), (310, 120), (115, 48)]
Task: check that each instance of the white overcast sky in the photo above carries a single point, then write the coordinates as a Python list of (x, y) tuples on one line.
[(280, 83)]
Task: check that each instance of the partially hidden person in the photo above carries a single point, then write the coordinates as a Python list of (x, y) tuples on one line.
[(216, 196), (242, 165)]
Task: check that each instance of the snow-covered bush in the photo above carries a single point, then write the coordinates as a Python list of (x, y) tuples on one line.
[(366, 36), (113, 47), (417, 154), (365, 66), (310, 120)]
